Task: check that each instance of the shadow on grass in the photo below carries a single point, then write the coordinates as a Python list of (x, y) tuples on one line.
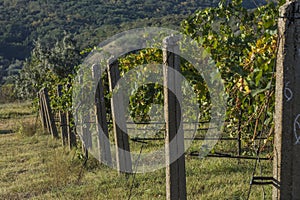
[(4, 132)]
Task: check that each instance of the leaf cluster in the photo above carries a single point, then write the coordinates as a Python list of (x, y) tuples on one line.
[(243, 44)]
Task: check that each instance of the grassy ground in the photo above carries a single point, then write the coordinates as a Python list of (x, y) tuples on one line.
[(37, 167)]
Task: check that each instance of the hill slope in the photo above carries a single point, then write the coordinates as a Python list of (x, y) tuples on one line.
[(23, 21)]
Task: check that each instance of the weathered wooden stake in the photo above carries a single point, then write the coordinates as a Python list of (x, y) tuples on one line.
[(102, 128), (44, 108), (43, 103), (71, 134), (174, 142), (286, 164), (85, 126), (123, 157), (63, 120), (49, 114), (239, 141), (42, 112)]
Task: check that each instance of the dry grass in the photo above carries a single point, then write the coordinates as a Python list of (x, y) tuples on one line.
[(63, 168), (37, 167)]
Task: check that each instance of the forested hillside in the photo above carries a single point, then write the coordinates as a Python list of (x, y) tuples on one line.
[(24, 21)]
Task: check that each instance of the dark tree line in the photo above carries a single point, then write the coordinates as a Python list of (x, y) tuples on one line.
[(22, 22)]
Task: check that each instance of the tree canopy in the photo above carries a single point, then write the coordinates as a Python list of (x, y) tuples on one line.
[(22, 22)]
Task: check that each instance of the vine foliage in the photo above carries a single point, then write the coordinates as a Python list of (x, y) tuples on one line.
[(243, 44)]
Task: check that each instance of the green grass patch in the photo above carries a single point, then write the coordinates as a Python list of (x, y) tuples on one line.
[(36, 166), (16, 110)]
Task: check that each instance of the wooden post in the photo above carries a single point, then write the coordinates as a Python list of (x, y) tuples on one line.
[(286, 164), (123, 157), (42, 111), (44, 108), (84, 145), (63, 120), (71, 127), (49, 114), (45, 111), (102, 128), (239, 141), (85, 126), (174, 141), (71, 132)]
